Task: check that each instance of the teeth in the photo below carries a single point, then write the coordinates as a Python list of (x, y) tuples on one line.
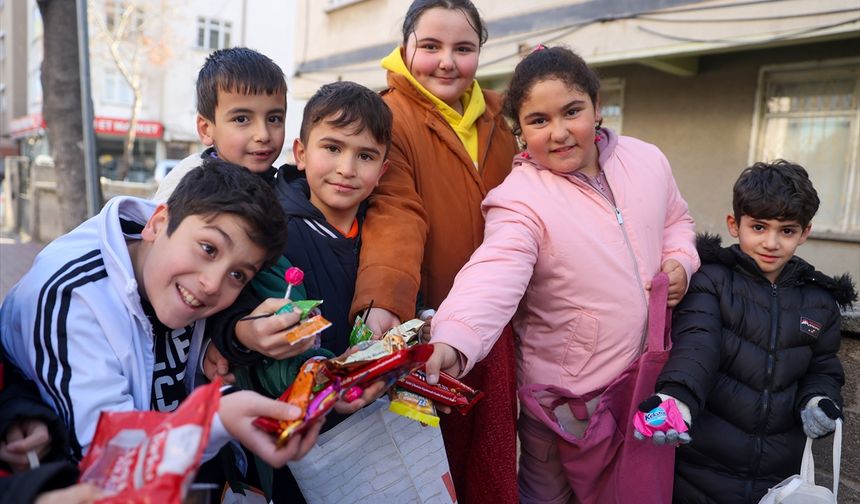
[(188, 298)]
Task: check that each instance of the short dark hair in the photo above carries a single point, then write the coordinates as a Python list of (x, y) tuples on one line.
[(548, 63), (780, 190), (419, 7), (347, 104), (220, 187), (239, 70)]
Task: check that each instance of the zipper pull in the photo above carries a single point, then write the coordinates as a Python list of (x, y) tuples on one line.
[(773, 290), (618, 216)]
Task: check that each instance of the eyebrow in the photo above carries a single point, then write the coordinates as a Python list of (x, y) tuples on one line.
[(434, 39), (249, 111), (230, 244), (563, 107), (341, 142)]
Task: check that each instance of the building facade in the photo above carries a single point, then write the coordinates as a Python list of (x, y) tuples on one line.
[(716, 85), (172, 40)]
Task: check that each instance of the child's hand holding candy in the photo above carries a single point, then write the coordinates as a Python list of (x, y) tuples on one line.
[(664, 419), (266, 334)]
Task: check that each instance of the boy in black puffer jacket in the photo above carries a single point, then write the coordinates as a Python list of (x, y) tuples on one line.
[(754, 365)]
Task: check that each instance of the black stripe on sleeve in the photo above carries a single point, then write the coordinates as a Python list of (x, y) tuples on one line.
[(92, 266)]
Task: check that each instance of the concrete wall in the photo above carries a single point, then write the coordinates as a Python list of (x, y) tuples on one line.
[(703, 123)]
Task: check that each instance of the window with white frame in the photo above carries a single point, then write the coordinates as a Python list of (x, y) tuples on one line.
[(612, 103), (116, 9), (213, 33), (116, 89), (810, 115)]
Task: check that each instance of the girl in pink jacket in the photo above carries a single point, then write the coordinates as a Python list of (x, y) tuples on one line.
[(572, 238)]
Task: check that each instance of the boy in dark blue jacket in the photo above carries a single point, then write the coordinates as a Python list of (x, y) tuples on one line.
[(340, 155), (754, 362)]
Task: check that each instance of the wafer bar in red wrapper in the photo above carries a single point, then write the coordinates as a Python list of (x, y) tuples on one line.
[(149, 456), (449, 391)]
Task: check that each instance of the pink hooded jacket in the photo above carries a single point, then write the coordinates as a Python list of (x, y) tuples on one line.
[(569, 268)]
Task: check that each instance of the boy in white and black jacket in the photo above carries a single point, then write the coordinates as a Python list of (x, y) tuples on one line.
[(754, 364), (111, 315)]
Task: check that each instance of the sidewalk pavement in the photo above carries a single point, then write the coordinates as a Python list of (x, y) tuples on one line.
[(16, 257)]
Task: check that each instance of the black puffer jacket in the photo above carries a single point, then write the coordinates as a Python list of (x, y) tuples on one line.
[(747, 357)]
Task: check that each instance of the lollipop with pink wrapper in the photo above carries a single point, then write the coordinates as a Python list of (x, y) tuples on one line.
[(293, 276)]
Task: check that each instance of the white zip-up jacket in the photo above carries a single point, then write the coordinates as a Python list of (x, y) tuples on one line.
[(75, 325)]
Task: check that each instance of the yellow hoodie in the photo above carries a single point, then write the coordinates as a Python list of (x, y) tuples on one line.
[(473, 104)]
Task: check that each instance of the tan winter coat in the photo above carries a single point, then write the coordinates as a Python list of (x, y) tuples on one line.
[(424, 220)]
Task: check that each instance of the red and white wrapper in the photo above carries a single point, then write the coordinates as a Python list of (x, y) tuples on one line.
[(148, 456)]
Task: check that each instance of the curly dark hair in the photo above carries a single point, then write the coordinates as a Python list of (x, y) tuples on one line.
[(780, 190), (547, 63)]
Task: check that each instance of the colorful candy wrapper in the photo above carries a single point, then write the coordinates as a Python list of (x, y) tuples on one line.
[(449, 391), (360, 332), (660, 419), (309, 307), (414, 406), (307, 328), (321, 383), (148, 456)]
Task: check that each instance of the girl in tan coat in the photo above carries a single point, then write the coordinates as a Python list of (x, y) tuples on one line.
[(450, 147)]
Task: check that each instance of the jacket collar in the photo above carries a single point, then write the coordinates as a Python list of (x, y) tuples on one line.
[(796, 271)]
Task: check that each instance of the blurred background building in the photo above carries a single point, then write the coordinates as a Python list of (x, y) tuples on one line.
[(161, 45)]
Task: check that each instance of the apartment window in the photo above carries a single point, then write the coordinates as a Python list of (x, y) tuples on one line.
[(213, 34), (115, 9), (612, 103), (116, 89), (809, 114)]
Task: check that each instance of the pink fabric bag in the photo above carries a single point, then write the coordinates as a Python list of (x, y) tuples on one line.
[(607, 465)]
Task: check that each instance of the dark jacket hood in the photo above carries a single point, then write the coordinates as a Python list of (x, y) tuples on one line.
[(711, 251), (292, 189)]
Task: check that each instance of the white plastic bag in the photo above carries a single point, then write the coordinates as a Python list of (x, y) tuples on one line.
[(801, 488), (376, 456)]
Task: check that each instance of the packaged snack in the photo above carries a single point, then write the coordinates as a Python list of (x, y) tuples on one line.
[(409, 331), (661, 418), (306, 328), (321, 382), (360, 332), (449, 391), (414, 406), (307, 306), (148, 456)]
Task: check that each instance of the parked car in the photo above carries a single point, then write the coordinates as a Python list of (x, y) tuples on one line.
[(163, 167)]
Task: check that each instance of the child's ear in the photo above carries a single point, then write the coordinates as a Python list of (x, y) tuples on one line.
[(299, 154), (805, 234), (156, 224), (732, 224), (598, 117), (382, 170), (205, 131)]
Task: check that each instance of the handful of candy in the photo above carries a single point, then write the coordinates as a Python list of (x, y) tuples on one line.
[(661, 421), (321, 382)]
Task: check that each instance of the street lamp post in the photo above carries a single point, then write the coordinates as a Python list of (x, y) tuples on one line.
[(91, 174)]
